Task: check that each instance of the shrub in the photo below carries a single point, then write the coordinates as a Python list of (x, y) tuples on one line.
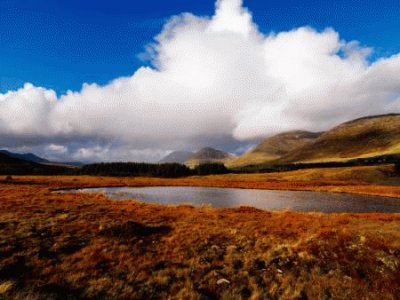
[(170, 170), (397, 167), (211, 168), (8, 178)]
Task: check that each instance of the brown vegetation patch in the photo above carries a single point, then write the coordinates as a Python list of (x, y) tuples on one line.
[(133, 229), (64, 245)]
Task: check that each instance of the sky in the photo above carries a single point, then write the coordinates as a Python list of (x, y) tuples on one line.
[(134, 80)]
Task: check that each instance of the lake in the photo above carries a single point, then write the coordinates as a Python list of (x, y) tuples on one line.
[(264, 199)]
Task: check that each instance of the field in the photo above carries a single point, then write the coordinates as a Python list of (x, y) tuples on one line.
[(57, 246)]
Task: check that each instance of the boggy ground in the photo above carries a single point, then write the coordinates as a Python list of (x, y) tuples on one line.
[(58, 246)]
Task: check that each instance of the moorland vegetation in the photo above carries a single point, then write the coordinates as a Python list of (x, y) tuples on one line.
[(84, 246)]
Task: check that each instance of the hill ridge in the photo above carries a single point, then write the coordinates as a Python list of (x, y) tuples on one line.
[(209, 155), (369, 136)]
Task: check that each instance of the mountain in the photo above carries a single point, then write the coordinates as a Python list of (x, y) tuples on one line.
[(25, 156), (36, 159), (177, 157), (360, 138), (275, 147), (209, 155), (8, 163), (16, 166)]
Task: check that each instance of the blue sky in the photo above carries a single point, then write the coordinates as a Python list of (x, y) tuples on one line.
[(221, 80), (62, 44)]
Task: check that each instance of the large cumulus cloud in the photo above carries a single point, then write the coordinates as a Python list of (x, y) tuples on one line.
[(216, 80)]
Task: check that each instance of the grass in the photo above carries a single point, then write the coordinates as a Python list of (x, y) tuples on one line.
[(251, 158), (68, 245), (274, 147), (362, 138), (367, 137)]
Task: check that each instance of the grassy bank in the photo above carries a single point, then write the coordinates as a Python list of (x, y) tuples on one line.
[(86, 246)]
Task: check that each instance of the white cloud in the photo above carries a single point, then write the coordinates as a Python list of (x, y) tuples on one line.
[(59, 149), (216, 80), (26, 111), (230, 16)]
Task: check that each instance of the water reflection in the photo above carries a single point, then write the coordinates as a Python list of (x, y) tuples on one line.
[(264, 199)]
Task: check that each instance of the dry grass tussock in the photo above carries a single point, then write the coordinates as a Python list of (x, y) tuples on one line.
[(57, 246)]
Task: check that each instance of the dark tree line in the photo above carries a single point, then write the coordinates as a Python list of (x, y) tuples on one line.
[(168, 170), (210, 168), (397, 167), (135, 169), (371, 161), (34, 169)]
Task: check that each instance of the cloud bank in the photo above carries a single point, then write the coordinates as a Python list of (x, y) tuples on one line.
[(214, 81)]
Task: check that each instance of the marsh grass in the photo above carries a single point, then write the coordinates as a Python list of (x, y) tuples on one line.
[(57, 246)]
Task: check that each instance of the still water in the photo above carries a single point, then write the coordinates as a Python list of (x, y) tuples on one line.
[(264, 199)]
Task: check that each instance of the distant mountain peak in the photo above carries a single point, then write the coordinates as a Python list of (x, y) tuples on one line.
[(209, 155), (177, 157), (25, 156), (31, 157)]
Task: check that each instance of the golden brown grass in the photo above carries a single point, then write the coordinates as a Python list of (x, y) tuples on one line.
[(274, 147), (85, 246), (251, 158), (362, 138)]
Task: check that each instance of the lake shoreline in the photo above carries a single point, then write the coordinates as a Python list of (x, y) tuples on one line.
[(370, 180), (270, 200)]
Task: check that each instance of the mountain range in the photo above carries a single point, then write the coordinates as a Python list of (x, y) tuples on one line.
[(363, 138), (26, 156), (360, 138), (37, 159), (204, 155), (18, 166)]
